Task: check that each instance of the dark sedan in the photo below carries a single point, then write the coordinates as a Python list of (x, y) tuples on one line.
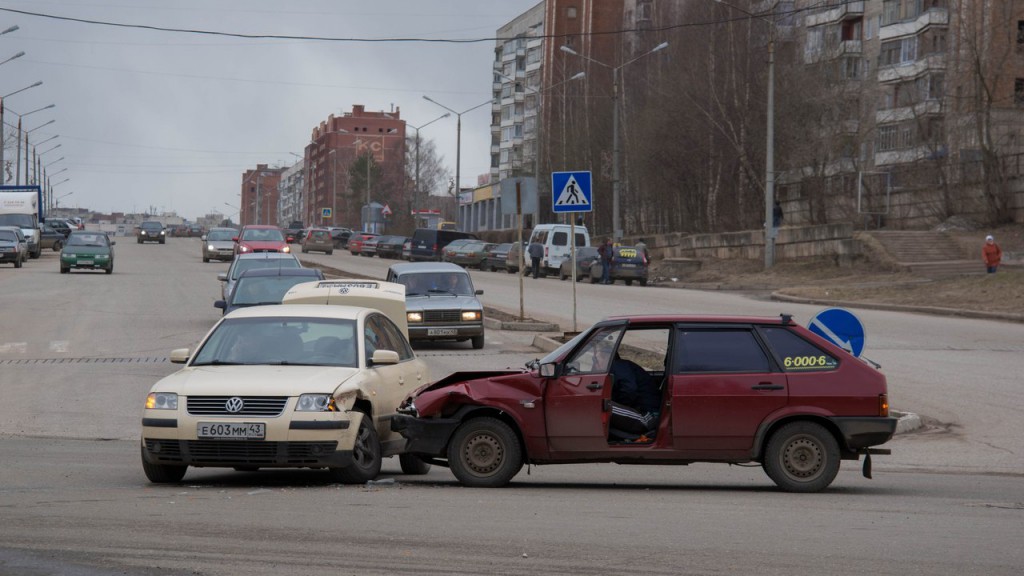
[(391, 247), (496, 257), (264, 286), (585, 258)]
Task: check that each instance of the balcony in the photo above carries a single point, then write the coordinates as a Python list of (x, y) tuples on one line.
[(900, 72), (844, 11), (935, 16)]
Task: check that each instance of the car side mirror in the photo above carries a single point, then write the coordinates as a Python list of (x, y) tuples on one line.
[(479, 292), (384, 357), (223, 276), (112, 242), (220, 304), (234, 238), (547, 370), (203, 237), (180, 355)]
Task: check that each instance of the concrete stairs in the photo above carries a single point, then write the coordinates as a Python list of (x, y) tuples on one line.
[(930, 254)]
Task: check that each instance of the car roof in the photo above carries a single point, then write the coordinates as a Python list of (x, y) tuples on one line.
[(421, 267), (703, 319), (264, 255), (261, 227), (276, 271), (387, 297), (299, 310)]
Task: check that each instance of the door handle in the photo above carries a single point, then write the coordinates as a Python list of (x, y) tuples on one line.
[(594, 386), (767, 386)]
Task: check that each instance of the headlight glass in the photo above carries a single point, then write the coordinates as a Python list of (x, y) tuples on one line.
[(414, 316), (162, 401), (211, 248), (286, 249), (243, 248), (316, 403), (470, 315)]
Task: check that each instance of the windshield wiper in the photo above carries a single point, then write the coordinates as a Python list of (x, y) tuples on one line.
[(219, 363), (439, 291)]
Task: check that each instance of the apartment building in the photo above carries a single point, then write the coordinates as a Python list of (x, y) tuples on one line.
[(291, 201), (260, 195)]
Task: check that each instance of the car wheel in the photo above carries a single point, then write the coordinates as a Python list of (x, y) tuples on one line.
[(366, 458), (413, 464), (561, 276), (592, 279), (163, 473), (628, 281), (138, 241), (478, 342), (64, 269), (57, 246), (643, 281), (485, 453), (510, 270), (206, 260), (17, 263), (802, 457), (162, 241), (329, 252), (110, 270)]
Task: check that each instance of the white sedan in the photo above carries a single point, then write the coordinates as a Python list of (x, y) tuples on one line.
[(288, 386)]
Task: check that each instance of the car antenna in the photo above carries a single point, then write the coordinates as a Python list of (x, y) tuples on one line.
[(786, 318)]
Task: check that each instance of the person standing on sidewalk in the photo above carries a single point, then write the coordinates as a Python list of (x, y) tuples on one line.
[(536, 252), (992, 254), (606, 251)]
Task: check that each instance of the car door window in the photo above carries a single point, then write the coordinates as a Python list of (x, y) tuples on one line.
[(718, 350), (560, 239), (595, 356), (796, 354), (398, 341)]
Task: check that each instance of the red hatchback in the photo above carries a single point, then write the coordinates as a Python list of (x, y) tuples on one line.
[(661, 390), (253, 238), (356, 241)]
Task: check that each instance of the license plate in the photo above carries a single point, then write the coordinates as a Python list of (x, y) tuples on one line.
[(85, 261), (627, 265), (442, 331), (232, 430)]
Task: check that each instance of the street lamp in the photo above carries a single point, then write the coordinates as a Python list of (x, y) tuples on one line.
[(458, 140), (2, 98), (16, 56), (51, 149), (416, 189), (616, 152), (56, 201), (48, 164)]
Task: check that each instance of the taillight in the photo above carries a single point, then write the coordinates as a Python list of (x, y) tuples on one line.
[(883, 404)]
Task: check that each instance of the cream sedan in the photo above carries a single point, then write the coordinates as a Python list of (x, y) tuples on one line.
[(289, 386)]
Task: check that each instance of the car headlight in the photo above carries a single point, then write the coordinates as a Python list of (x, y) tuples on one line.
[(316, 403), (142, 232), (470, 315), (162, 232), (286, 249), (102, 256), (414, 316), (211, 248), (162, 401), (243, 248)]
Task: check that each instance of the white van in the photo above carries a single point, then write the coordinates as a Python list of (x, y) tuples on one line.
[(555, 239)]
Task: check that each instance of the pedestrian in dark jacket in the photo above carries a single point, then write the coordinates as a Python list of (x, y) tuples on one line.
[(606, 251), (536, 251)]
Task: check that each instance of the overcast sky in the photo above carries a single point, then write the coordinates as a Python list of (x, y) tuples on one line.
[(169, 121)]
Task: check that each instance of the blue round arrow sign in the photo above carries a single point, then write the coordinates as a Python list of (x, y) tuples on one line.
[(841, 328)]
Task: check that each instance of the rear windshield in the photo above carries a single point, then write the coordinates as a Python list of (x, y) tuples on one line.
[(244, 265)]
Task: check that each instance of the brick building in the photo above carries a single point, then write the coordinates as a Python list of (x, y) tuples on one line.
[(260, 195)]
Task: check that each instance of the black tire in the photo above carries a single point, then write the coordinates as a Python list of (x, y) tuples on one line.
[(109, 270), (510, 270), (561, 276), (138, 240), (162, 241), (57, 246), (484, 453), (592, 279), (643, 281), (802, 457), (163, 473), (206, 260), (17, 263), (329, 252), (628, 281), (366, 458), (64, 270), (477, 341), (36, 254), (413, 465)]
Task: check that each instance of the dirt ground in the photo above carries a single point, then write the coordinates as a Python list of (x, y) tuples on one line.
[(865, 281)]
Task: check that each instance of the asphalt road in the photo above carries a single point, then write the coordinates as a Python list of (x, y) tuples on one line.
[(79, 352)]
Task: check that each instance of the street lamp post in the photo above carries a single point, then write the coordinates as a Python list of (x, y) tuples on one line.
[(2, 98), (416, 187), (616, 152), (27, 132), (458, 141)]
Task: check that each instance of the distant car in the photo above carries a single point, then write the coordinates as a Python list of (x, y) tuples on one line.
[(407, 250), (244, 262), (496, 256), (289, 386), (471, 254), (628, 264), (264, 286), (255, 238), (13, 247), (195, 231), (340, 236), (356, 241), (318, 240), (151, 231), (218, 244), (449, 250), (61, 225), (295, 232), (512, 259), (51, 238), (585, 258), (440, 301), (369, 248), (391, 247), (91, 250)]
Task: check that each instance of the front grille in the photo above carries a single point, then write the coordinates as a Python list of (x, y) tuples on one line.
[(265, 250), (252, 405), (164, 449), (442, 315), (257, 452)]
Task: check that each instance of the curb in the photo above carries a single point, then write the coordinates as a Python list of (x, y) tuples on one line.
[(494, 324), (1007, 317)]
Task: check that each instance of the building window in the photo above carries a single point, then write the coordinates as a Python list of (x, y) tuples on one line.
[(570, 12), (899, 51), (1020, 35), (886, 138)]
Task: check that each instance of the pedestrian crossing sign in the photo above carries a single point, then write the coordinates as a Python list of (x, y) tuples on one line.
[(326, 213), (571, 192)]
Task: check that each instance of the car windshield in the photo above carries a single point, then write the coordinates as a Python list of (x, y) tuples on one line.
[(19, 220), (7, 236), (248, 264), (265, 289), (431, 283), (281, 341), (151, 226), (263, 235), (220, 235), (87, 240)]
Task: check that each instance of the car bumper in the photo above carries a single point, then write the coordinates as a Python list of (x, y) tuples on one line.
[(95, 263), (426, 437), (629, 273), (220, 254), (10, 256), (862, 432), (445, 331)]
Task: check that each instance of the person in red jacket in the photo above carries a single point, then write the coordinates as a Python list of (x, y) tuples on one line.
[(991, 253)]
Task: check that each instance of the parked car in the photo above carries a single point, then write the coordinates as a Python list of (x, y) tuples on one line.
[(391, 247), (585, 258), (628, 264), (289, 386), (555, 240), (151, 231), (428, 243), (471, 255), (244, 262), (254, 238), (496, 256), (60, 225), (512, 259), (295, 232), (263, 286), (407, 250), (318, 240), (340, 237), (356, 241), (51, 238), (219, 244), (440, 301), (449, 251), (13, 247), (737, 390), (91, 250)]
